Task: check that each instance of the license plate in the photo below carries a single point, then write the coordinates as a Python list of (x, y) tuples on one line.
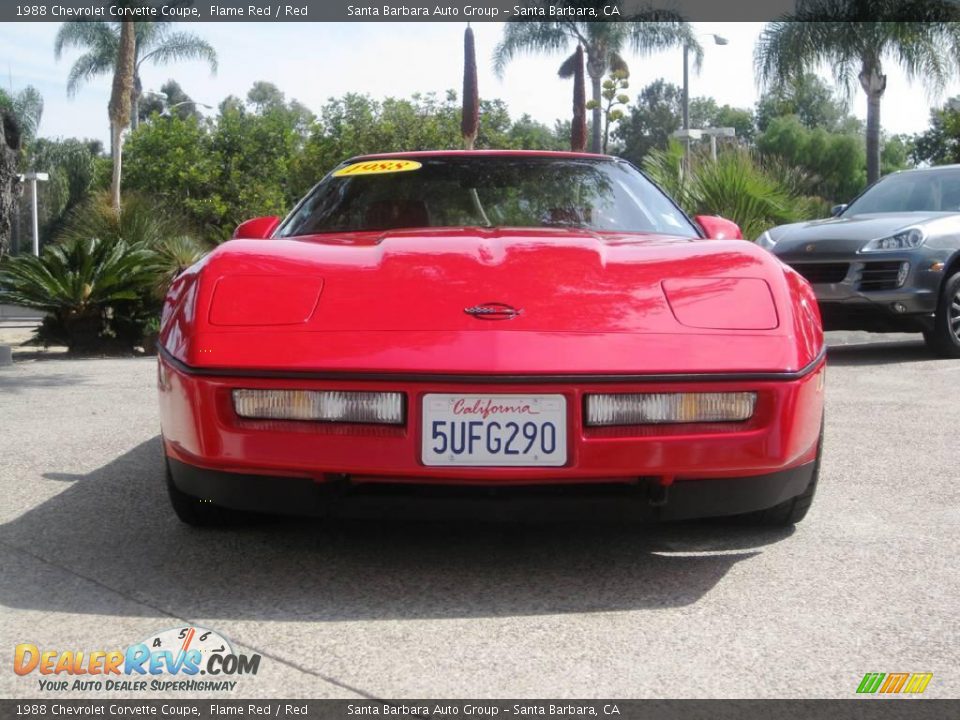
[(494, 430)]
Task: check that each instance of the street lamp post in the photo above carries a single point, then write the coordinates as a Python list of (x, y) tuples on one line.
[(33, 178), (718, 40), (166, 111)]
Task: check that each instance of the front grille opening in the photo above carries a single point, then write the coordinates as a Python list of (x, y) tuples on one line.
[(887, 275), (822, 273)]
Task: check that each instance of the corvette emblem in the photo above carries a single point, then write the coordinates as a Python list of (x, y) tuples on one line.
[(493, 311), (811, 247)]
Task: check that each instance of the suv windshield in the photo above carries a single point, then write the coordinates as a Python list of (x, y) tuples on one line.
[(487, 191), (923, 191)]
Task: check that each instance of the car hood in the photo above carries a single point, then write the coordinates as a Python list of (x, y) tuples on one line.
[(583, 302), (850, 233)]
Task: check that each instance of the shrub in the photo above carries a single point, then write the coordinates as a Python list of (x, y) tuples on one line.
[(737, 185), (88, 287)]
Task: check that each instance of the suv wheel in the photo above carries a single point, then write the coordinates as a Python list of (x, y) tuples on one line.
[(944, 339)]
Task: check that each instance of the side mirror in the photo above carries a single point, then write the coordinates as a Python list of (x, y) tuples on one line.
[(718, 228), (257, 229), (837, 209)]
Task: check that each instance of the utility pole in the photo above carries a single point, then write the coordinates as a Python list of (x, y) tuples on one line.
[(33, 178)]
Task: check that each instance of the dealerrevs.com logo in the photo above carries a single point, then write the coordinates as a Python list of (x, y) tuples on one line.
[(186, 659)]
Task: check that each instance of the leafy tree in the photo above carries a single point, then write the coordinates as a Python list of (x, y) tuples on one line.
[(940, 143), (806, 96), (525, 133), (835, 161), (170, 99), (155, 42), (855, 38), (265, 96), (603, 42), (896, 154), (705, 113), (650, 122), (70, 164)]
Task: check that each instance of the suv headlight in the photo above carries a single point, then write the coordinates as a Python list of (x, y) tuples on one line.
[(765, 241), (903, 240)]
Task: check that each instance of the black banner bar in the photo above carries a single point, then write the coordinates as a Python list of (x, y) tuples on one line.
[(396, 11), (873, 708)]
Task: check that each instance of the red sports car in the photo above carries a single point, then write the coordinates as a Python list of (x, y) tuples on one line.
[(529, 331)]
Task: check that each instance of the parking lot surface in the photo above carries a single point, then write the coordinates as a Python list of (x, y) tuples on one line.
[(93, 558)]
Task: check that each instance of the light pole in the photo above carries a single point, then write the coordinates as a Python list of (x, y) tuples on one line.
[(166, 98), (718, 40), (33, 178), (166, 112)]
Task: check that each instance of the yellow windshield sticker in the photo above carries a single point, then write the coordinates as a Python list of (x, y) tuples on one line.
[(375, 167)]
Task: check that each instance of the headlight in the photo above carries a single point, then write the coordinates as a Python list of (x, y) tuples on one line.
[(765, 241), (662, 408), (904, 240), (384, 408)]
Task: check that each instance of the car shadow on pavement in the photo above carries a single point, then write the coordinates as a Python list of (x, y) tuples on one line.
[(114, 528), (880, 353)]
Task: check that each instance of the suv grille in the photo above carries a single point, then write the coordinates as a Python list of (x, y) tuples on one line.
[(882, 276), (822, 272)]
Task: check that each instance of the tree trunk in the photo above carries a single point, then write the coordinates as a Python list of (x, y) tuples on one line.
[(116, 141), (874, 84), (135, 101), (578, 127), (9, 154), (596, 82), (120, 102)]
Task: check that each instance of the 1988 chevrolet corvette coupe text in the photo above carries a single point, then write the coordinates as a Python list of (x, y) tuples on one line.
[(535, 331)]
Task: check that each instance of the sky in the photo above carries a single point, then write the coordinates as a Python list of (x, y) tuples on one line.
[(315, 61)]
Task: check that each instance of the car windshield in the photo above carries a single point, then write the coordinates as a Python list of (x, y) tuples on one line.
[(486, 191), (923, 191)]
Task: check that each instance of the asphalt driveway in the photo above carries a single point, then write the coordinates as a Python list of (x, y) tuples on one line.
[(91, 557)]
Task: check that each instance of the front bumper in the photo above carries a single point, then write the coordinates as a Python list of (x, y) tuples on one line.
[(861, 292), (643, 499), (203, 434)]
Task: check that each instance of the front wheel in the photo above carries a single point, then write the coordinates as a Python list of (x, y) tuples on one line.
[(944, 338)]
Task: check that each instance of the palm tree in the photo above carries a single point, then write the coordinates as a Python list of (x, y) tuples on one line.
[(120, 102), (20, 115), (854, 37), (603, 42), (155, 42), (27, 107)]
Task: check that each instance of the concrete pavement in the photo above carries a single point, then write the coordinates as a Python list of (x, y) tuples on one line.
[(93, 558)]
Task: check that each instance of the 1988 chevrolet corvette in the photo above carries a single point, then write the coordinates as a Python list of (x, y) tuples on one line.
[(530, 331)]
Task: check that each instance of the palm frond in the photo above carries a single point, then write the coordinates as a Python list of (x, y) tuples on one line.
[(97, 36), (88, 66), (618, 64), (178, 46), (568, 67), (528, 37)]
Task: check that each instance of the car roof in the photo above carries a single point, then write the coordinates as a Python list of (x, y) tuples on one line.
[(484, 153), (931, 169)]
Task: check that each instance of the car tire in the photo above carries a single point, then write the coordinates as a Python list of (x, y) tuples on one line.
[(944, 338), (200, 513), (791, 511)]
